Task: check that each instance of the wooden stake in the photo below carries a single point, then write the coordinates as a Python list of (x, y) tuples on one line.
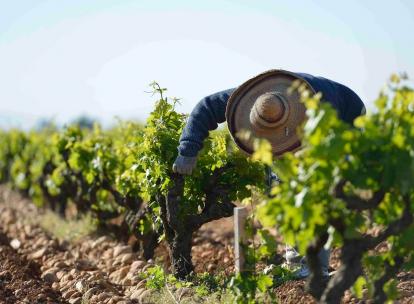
[(240, 215)]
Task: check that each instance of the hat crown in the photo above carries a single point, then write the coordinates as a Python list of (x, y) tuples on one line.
[(274, 118), (270, 107), (270, 110)]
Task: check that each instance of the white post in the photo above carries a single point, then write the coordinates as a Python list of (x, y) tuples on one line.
[(240, 214)]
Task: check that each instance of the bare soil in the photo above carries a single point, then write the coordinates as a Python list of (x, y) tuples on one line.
[(98, 269), (20, 280), (212, 252)]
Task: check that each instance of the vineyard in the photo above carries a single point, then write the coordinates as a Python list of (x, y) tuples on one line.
[(156, 236)]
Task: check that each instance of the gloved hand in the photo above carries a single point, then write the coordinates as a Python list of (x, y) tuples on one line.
[(184, 164)]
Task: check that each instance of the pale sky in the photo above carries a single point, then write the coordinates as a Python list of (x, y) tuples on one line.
[(61, 59)]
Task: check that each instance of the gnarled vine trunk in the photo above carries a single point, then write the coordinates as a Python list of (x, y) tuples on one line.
[(354, 249), (180, 225)]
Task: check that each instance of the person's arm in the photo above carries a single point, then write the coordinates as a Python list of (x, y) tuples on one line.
[(354, 106), (344, 100), (206, 116)]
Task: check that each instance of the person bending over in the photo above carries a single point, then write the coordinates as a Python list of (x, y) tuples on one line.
[(265, 107)]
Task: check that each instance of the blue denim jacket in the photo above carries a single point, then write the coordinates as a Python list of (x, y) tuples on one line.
[(210, 111)]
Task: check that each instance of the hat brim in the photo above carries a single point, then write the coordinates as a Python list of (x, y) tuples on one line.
[(282, 138)]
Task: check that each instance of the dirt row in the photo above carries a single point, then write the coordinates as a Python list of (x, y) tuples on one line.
[(93, 271), (38, 268), (20, 280)]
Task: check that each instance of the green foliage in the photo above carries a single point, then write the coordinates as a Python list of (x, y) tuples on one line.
[(391, 290), (206, 283), (110, 172), (358, 287), (203, 284), (97, 169), (373, 157), (156, 277), (158, 148), (157, 151), (252, 288)]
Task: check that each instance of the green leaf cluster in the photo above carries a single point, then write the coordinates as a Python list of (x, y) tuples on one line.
[(375, 154)]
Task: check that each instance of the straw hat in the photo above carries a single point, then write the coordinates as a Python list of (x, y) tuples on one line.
[(264, 107)]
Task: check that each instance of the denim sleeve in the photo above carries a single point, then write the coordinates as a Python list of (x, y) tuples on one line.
[(345, 101), (206, 116), (354, 105)]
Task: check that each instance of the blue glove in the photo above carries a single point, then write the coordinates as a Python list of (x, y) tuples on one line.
[(184, 164)]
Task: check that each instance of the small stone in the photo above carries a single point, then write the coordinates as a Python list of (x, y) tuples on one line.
[(211, 267), (99, 241), (145, 297), (127, 258), (60, 264), (182, 292), (95, 277), (43, 241), (88, 295), (136, 265), (18, 292), (206, 253), (118, 275), (197, 240), (108, 254), (141, 283), (44, 268), (50, 277), (27, 229), (41, 296), (135, 280), (114, 299), (15, 244), (22, 236), (38, 254), (68, 277), (64, 287), (80, 286), (60, 275), (94, 299), (8, 217), (122, 249), (68, 293), (136, 294), (83, 265), (76, 294), (75, 300), (73, 272), (50, 262), (104, 295)]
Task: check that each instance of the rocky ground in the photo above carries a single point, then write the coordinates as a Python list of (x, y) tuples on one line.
[(92, 271), (36, 267), (20, 280)]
